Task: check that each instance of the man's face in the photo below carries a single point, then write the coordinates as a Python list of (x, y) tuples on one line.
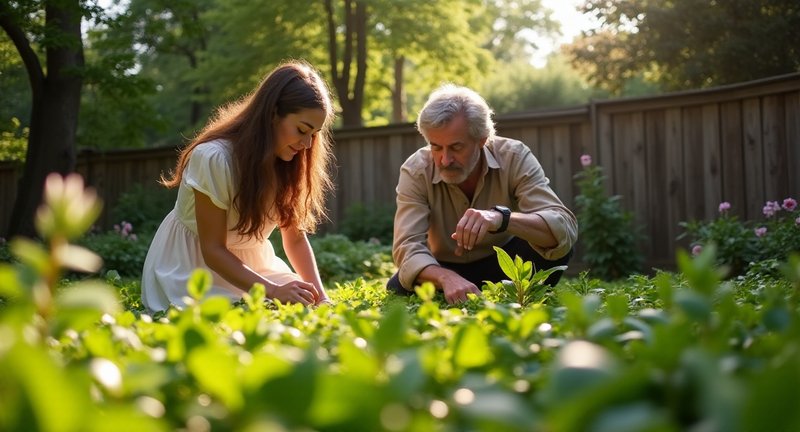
[(454, 152)]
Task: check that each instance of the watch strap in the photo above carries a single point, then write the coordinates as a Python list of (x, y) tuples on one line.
[(506, 212)]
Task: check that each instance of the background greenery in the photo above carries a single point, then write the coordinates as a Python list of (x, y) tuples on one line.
[(155, 69)]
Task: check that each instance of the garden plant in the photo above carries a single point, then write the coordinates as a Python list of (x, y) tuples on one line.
[(608, 234), (672, 352)]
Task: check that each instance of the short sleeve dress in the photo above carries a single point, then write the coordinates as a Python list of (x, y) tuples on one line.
[(175, 251)]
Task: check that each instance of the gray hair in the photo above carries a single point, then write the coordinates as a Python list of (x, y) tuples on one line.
[(450, 100)]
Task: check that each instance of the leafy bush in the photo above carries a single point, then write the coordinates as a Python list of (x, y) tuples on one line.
[(340, 259), (365, 223), (144, 207), (5, 252), (744, 244), (14, 142), (607, 232), (122, 250)]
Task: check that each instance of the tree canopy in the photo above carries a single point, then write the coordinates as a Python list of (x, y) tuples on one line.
[(688, 43)]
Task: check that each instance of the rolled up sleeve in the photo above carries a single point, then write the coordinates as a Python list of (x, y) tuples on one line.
[(534, 195)]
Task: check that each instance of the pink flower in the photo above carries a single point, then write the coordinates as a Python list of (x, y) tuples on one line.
[(724, 206), (696, 249), (770, 208), (797, 221), (761, 231), (789, 204), (586, 160)]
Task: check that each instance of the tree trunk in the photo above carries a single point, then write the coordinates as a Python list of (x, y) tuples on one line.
[(355, 39), (54, 112), (398, 93)]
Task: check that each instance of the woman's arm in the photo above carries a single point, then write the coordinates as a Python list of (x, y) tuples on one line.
[(301, 256), (212, 231)]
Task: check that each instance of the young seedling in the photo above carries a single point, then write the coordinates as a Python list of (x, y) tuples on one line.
[(525, 284)]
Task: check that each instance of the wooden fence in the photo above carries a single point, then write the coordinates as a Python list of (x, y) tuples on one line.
[(672, 157)]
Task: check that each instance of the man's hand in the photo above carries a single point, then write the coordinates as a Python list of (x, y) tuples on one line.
[(473, 226), (456, 288)]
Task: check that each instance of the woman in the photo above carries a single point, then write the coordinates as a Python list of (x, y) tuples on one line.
[(260, 163)]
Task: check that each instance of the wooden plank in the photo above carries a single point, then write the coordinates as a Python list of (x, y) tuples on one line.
[(561, 175), (369, 181), (605, 147), (530, 137), (753, 159), (792, 123), (658, 229), (638, 169), (695, 165), (776, 170), (732, 154), (622, 174), (712, 177), (676, 181), (544, 151)]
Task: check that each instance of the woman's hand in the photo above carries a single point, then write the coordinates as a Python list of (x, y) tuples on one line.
[(324, 300), (295, 291)]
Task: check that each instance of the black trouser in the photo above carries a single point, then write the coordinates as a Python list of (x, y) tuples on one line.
[(489, 269)]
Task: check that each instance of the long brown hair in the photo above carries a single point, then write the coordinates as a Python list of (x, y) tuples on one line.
[(299, 186)]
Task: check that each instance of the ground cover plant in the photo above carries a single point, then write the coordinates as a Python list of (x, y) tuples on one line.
[(756, 244), (669, 352)]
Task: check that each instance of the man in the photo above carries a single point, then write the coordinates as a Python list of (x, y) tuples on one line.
[(468, 191)]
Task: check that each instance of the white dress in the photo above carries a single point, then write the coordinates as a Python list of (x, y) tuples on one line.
[(175, 250)]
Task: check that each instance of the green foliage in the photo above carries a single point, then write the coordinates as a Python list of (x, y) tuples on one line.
[(368, 223), (144, 207), (5, 252), (672, 352), (122, 249), (608, 235), (688, 44), (526, 285), (518, 86), (752, 245), (340, 259), (14, 142)]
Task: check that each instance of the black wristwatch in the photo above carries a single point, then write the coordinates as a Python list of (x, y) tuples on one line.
[(506, 212)]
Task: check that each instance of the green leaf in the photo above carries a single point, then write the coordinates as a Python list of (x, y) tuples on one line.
[(506, 264), (199, 283), (617, 306), (391, 330), (471, 347), (81, 306), (52, 401), (10, 285), (426, 291), (32, 254), (216, 372)]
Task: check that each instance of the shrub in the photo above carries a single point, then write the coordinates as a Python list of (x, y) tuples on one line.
[(607, 232), (368, 222), (340, 259), (5, 252), (743, 245), (144, 207), (121, 249), (14, 142)]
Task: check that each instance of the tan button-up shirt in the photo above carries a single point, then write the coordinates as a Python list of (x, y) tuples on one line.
[(428, 209)]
